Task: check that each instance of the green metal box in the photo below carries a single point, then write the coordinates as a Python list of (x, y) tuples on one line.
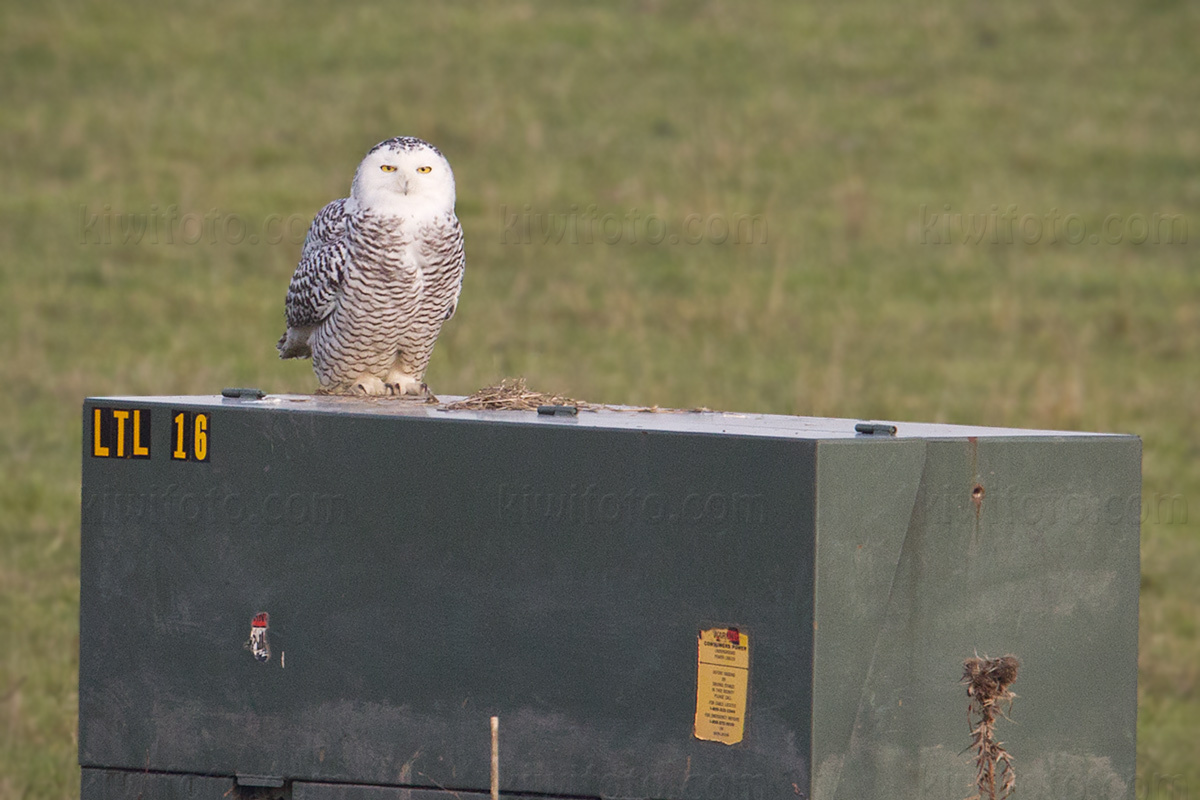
[(320, 597)]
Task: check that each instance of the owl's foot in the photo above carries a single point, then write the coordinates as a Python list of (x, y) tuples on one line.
[(402, 383), (369, 385)]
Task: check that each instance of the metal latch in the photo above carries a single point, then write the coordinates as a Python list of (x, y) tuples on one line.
[(243, 394), (558, 411), (875, 429)]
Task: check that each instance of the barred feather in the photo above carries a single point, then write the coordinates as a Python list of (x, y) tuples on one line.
[(379, 274)]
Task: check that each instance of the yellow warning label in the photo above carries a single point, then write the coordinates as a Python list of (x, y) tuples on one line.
[(722, 678)]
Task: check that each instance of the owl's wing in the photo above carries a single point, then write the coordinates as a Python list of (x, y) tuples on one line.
[(322, 269), (443, 259)]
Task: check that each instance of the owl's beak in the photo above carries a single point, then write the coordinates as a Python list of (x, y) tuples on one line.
[(403, 182)]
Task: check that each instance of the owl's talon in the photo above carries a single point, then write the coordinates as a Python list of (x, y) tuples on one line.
[(369, 386), (401, 383)]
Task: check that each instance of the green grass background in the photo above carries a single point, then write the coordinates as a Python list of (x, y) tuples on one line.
[(835, 122)]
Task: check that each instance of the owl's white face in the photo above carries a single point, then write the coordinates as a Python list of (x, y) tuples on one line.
[(404, 176)]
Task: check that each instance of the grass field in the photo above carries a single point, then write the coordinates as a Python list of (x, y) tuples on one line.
[(839, 130)]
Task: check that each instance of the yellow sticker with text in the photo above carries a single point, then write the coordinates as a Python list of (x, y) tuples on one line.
[(190, 435), (722, 681), (120, 432)]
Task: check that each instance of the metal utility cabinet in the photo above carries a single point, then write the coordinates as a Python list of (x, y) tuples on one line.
[(328, 598)]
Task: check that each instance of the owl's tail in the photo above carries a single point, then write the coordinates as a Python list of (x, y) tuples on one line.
[(294, 343)]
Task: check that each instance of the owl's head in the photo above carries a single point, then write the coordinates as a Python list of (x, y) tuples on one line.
[(404, 175)]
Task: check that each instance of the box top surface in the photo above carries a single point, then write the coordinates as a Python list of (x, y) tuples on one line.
[(610, 417)]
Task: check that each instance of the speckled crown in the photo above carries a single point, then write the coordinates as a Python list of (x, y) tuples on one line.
[(404, 143)]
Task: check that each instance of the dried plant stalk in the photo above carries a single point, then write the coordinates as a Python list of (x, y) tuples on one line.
[(511, 394), (987, 681)]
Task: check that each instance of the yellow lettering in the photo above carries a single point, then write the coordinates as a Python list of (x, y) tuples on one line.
[(138, 450), (97, 427), (179, 453), (120, 417), (200, 448)]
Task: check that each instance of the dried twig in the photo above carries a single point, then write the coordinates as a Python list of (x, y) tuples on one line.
[(987, 681)]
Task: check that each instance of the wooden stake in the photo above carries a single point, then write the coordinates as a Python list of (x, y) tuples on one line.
[(495, 758)]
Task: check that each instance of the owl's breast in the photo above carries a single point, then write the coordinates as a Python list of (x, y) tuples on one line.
[(384, 272), (381, 243)]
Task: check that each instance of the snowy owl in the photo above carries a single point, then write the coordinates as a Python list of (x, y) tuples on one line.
[(380, 271)]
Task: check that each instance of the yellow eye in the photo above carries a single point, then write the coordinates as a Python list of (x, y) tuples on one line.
[(424, 169), (388, 168)]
